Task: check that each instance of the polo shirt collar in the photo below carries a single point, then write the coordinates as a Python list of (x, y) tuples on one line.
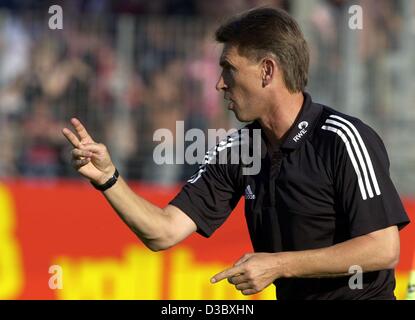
[(303, 125)]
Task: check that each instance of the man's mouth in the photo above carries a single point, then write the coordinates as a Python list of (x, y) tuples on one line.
[(231, 103)]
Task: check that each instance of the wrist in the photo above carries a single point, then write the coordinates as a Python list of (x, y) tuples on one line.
[(285, 265), (105, 176), (107, 181)]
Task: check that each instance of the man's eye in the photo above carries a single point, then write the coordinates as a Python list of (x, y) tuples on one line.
[(228, 69)]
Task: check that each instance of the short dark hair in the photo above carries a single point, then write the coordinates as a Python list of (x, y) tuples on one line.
[(266, 30)]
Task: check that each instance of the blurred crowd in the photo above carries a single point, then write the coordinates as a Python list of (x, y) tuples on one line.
[(199, 8), (126, 68)]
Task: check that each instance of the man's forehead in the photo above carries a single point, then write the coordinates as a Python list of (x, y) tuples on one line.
[(229, 53)]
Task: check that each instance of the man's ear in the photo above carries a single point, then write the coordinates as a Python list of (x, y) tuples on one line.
[(268, 71)]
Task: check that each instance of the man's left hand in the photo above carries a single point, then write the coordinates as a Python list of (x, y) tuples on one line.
[(253, 272)]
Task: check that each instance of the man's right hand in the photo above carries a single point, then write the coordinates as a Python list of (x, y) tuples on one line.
[(158, 228), (89, 158)]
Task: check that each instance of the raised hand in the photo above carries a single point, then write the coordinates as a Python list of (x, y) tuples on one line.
[(89, 158)]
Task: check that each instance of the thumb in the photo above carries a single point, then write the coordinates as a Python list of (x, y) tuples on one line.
[(243, 259), (92, 147)]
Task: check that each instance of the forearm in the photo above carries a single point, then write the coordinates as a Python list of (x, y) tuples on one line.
[(153, 225), (374, 251), (146, 220), (367, 252)]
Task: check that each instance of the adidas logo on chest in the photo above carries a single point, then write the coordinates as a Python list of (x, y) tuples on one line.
[(249, 195)]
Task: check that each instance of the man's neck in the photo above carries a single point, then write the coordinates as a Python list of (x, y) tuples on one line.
[(281, 116)]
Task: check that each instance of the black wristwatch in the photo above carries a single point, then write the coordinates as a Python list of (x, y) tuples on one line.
[(110, 182)]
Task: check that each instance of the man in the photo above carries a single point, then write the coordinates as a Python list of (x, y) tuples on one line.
[(323, 201)]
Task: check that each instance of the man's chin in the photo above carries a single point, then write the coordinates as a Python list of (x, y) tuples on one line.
[(241, 117)]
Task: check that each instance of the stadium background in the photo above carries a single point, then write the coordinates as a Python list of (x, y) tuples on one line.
[(127, 68)]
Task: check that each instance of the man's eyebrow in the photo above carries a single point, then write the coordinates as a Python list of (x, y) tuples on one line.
[(225, 63)]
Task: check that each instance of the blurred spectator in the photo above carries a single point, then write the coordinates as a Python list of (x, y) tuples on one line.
[(165, 102), (326, 31), (41, 143), (14, 48), (379, 43)]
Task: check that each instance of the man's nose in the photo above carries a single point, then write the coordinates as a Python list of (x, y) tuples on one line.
[(220, 85)]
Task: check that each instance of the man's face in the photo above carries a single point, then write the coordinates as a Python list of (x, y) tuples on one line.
[(241, 82)]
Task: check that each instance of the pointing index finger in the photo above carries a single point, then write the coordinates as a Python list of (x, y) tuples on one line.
[(227, 273)]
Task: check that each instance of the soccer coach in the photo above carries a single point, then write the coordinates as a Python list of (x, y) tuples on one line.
[(323, 200)]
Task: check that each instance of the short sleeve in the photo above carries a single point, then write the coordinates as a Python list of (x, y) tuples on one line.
[(364, 188), (211, 194)]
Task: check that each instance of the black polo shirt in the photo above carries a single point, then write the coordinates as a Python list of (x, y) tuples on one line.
[(328, 182)]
